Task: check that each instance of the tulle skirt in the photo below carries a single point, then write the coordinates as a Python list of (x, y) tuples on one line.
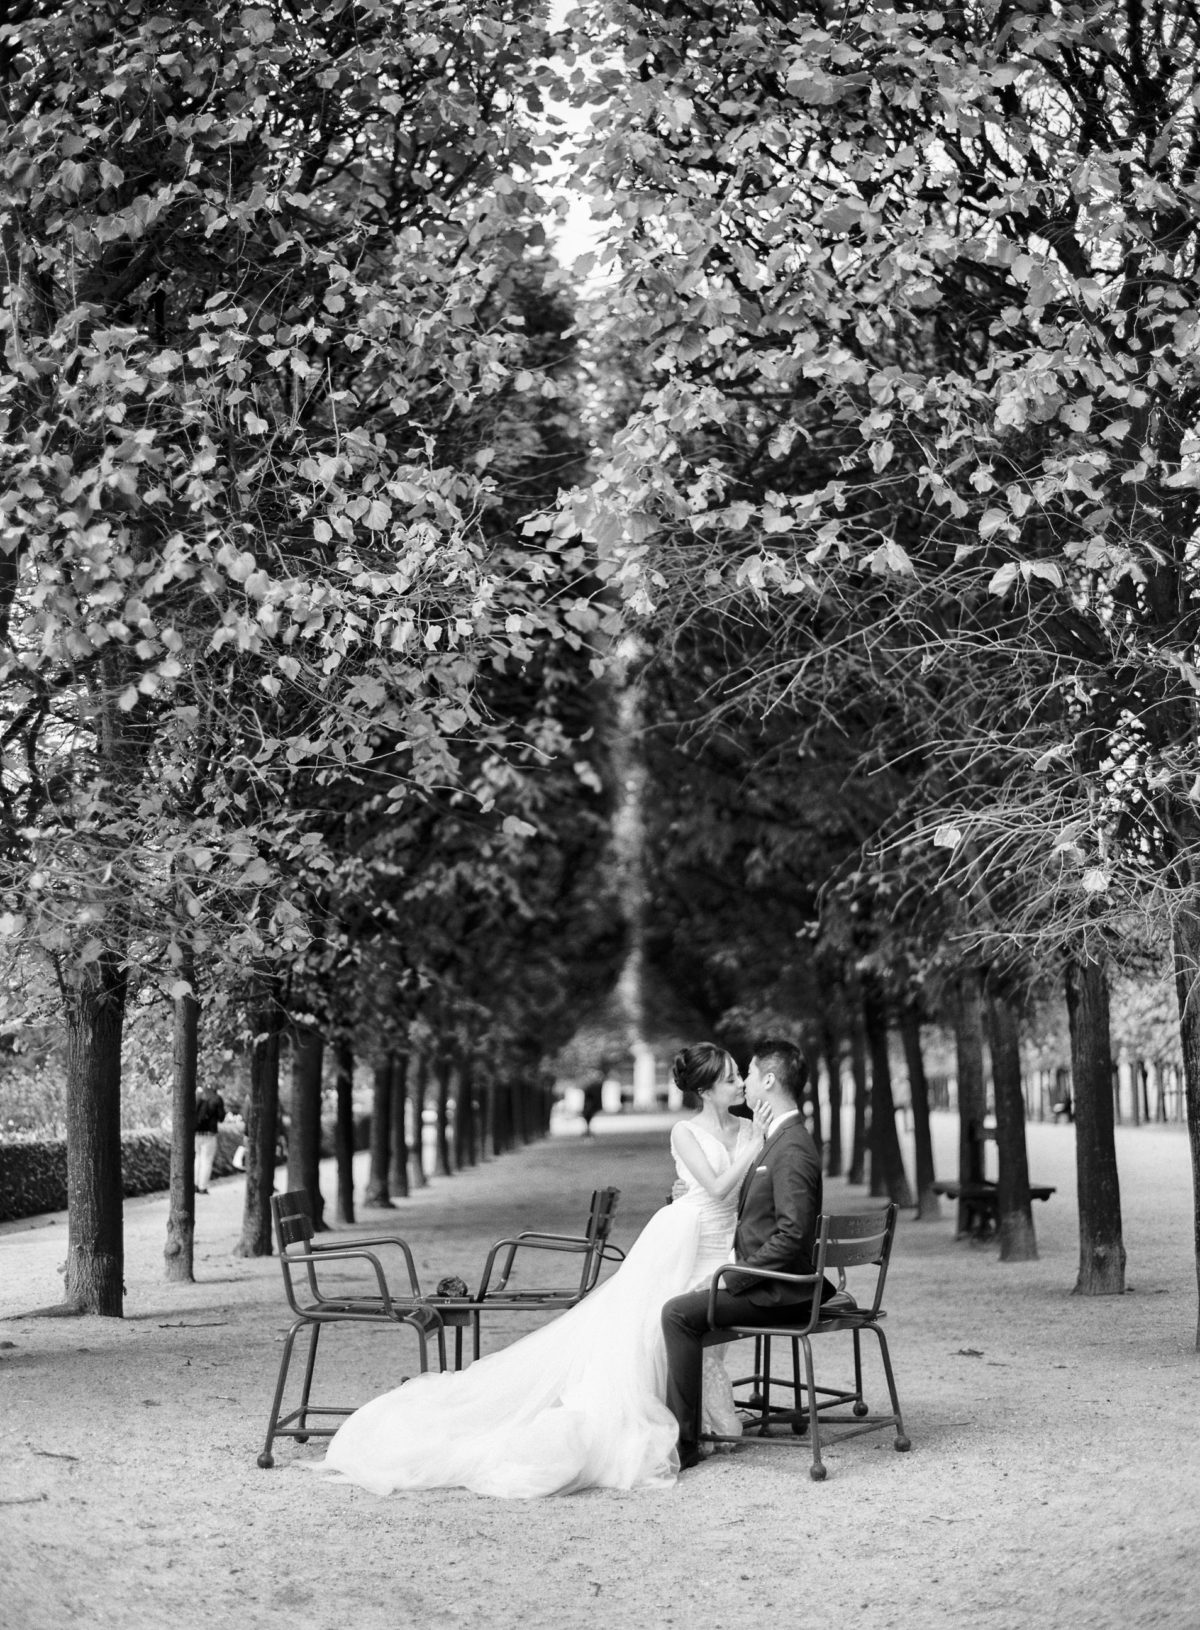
[(576, 1404)]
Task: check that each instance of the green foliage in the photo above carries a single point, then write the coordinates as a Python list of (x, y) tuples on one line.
[(284, 380), (916, 295)]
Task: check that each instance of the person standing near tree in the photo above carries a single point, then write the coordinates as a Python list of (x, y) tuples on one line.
[(593, 1102), (210, 1112)]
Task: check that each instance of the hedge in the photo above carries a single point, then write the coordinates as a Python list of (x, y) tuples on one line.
[(33, 1173)]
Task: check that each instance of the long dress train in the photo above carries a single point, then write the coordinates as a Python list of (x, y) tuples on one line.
[(575, 1404)]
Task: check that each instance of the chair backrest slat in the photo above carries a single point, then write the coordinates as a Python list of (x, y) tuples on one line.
[(858, 1239), (293, 1226), (853, 1254), (600, 1217), (292, 1221), (600, 1221)]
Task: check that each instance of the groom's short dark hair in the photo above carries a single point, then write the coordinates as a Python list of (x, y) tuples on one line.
[(782, 1060)]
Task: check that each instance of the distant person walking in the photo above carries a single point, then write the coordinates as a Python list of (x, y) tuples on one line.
[(210, 1112), (593, 1103)]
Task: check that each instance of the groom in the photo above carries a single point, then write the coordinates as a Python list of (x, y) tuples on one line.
[(778, 1210)]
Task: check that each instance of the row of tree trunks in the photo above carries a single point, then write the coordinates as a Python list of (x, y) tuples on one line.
[(94, 1001), (469, 1124), (1102, 1253)]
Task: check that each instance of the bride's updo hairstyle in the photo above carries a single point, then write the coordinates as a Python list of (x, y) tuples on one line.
[(697, 1070)]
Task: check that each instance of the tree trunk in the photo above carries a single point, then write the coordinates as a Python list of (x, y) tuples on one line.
[(862, 1113), (487, 1130), (420, 1175), (445, 1164), (378, 1192), (1101, 1245), (461, 1120), (929, 1206), (471, 1103), (1014, 1208), (181, 1215), (831, 1045), (1187, 989), (304, 1141), (344, 1132), (812, 1061), (398, 1175), (521, 1109), (502, 1120), (972, 1094), (887, 1164), (262, 1127), (95, 1015)]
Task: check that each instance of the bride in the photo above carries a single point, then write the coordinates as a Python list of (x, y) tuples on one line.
[(579, 1403)]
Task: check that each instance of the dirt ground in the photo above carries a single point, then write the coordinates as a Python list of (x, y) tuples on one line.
[(1054, 1477)]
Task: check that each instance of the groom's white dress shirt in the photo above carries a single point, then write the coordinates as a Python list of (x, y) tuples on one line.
[(788, 1115)]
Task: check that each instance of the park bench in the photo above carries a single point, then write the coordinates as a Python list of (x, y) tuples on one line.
[(979, 1198), (981, 1201)]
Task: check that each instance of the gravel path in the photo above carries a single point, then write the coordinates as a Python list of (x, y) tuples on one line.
[(1054, 1477)]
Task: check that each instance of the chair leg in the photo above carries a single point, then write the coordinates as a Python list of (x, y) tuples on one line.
[(764, 1421), (306, 1390), (860, 1404), (266, 1459), (902, 1440), (754, 1401), (799, 1409), (817, 1470)]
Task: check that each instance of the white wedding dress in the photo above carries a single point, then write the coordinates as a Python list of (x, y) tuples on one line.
[(577, 1403)]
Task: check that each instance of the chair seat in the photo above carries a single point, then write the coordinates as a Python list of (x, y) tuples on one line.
[(839, 1311), (372, 1310)]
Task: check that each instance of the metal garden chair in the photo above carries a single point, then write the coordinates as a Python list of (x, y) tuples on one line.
[(497, 1294), (317, 1301), (861, 1240)]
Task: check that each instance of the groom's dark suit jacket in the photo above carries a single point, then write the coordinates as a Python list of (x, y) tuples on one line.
[(778, 1209)]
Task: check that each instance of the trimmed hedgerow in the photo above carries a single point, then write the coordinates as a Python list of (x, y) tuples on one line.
[(33, 1171)]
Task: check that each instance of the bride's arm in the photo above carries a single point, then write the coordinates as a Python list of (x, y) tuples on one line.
[(689, 1152)]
